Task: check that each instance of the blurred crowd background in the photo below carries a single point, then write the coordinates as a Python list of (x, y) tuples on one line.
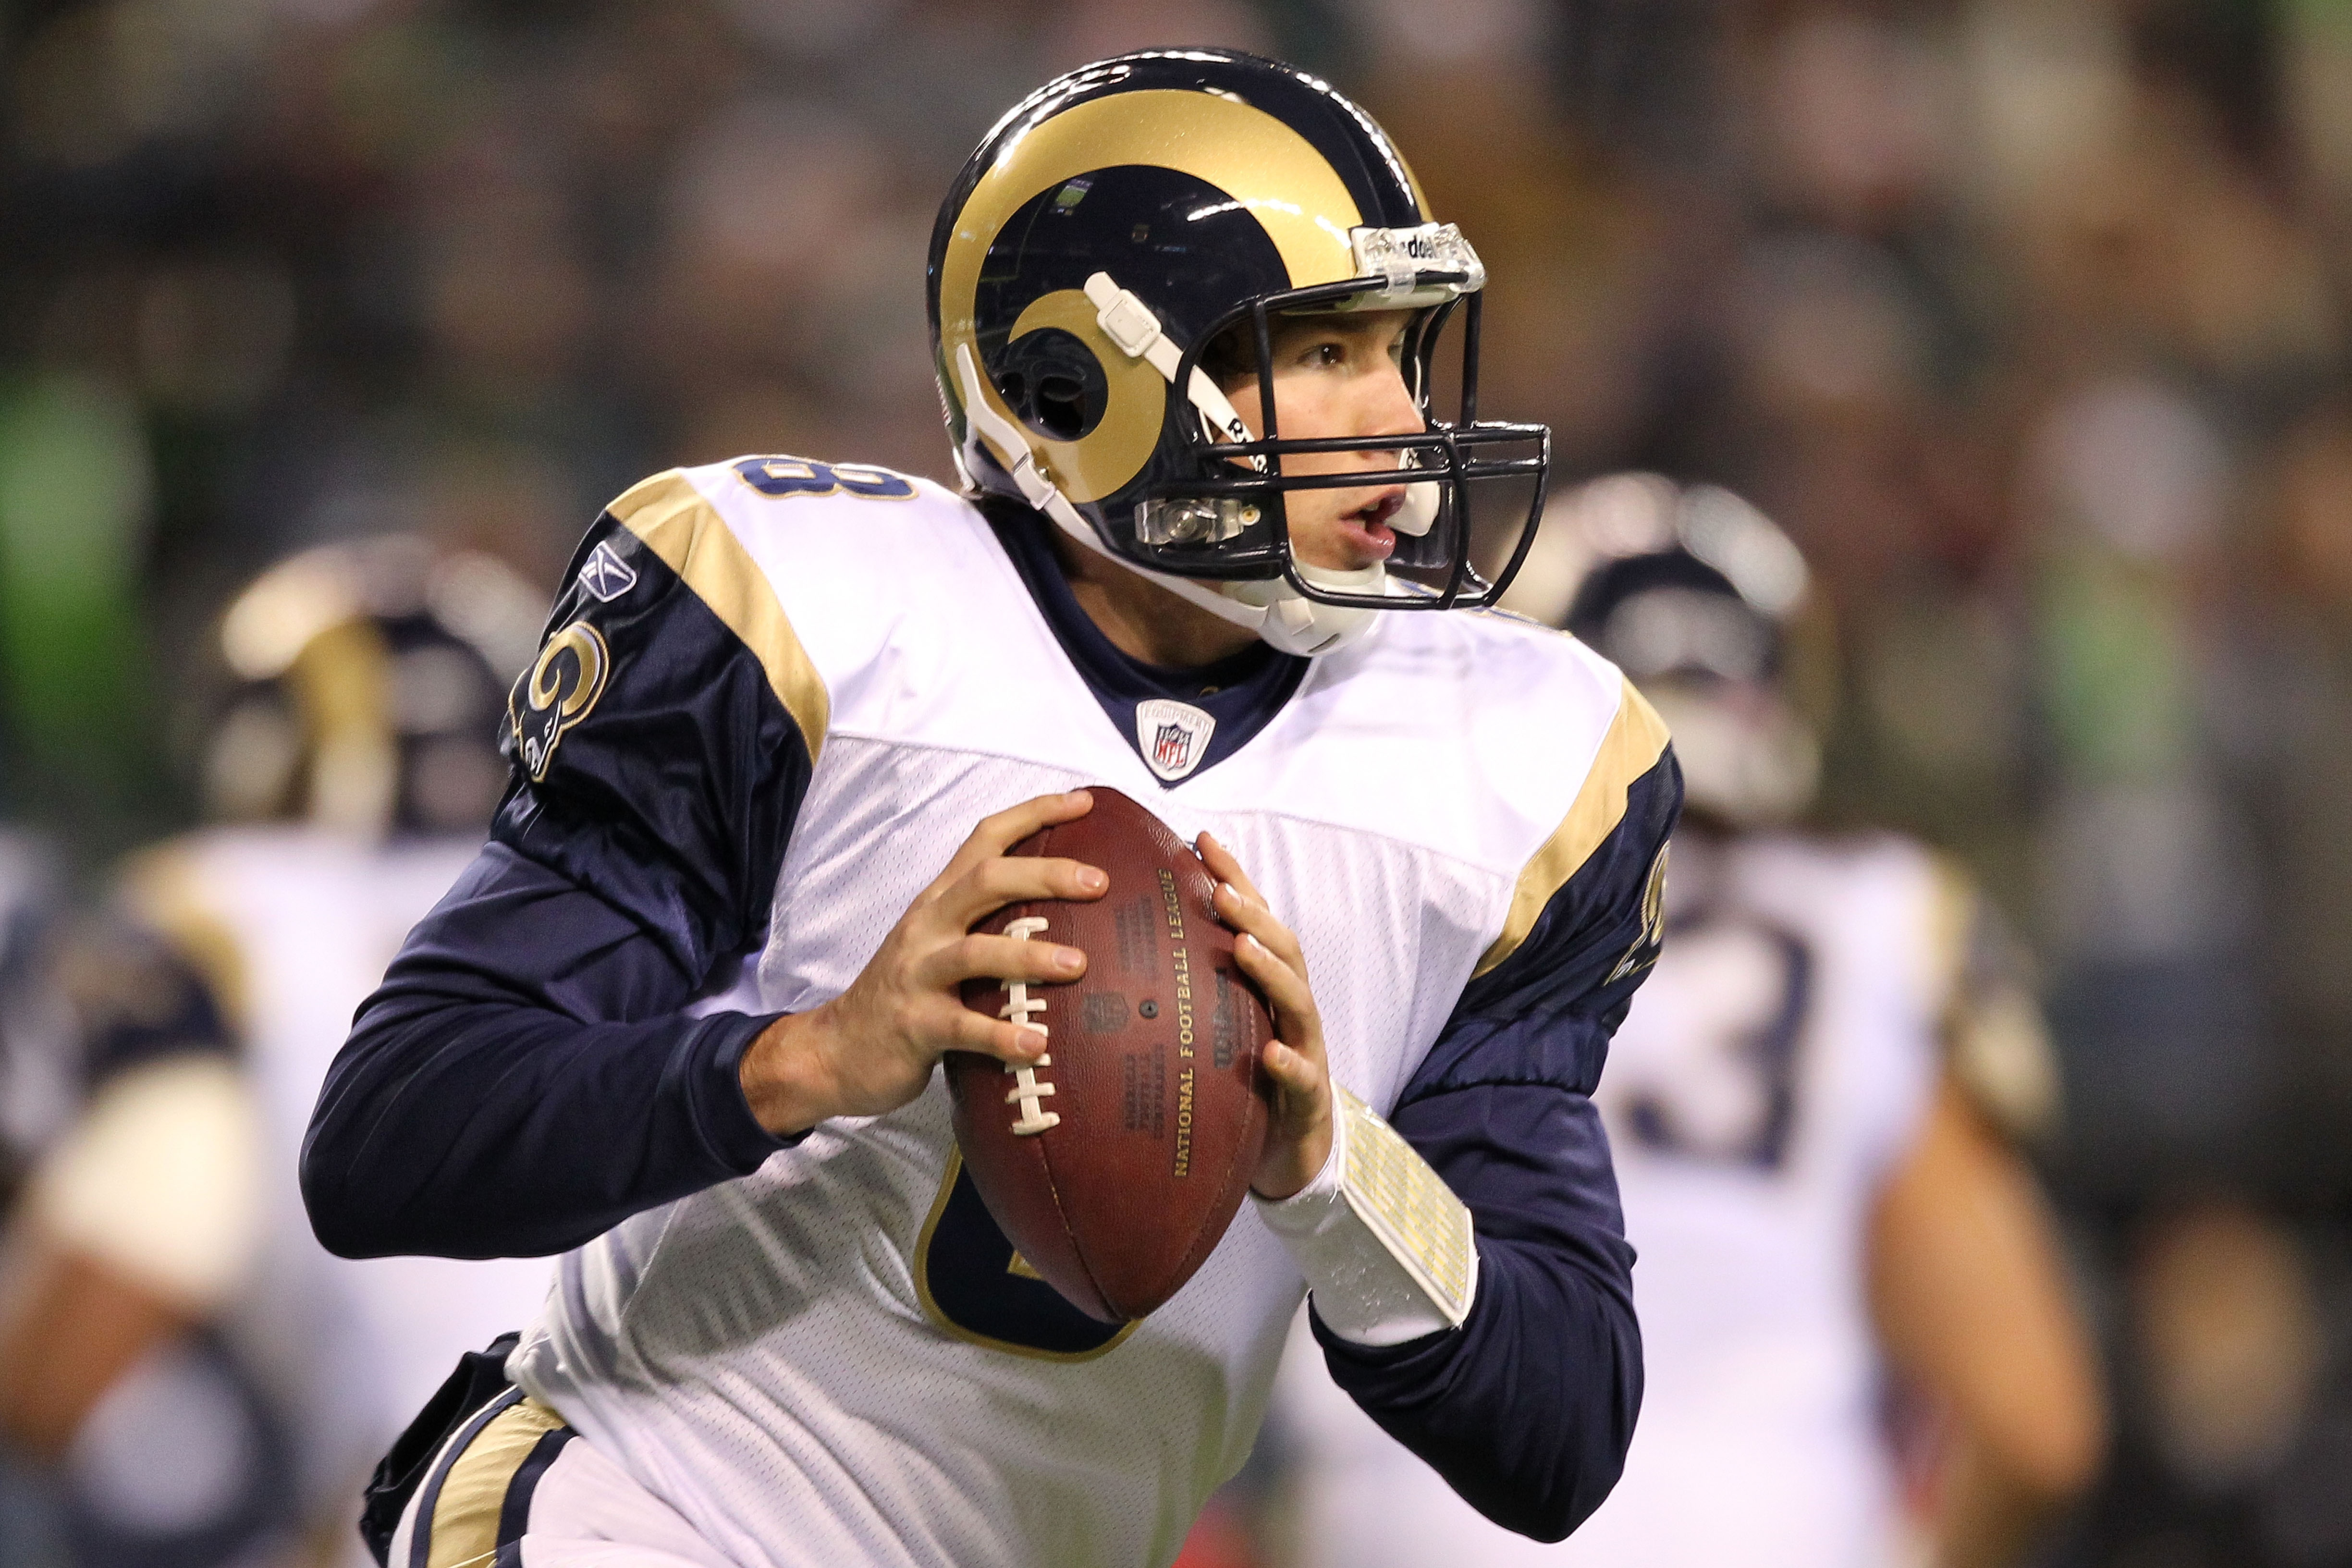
[(2028, 318)]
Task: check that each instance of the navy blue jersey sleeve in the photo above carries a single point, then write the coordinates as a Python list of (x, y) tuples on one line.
[(526, 1077), (1527, 1409), (523, 1081), (663, 739)]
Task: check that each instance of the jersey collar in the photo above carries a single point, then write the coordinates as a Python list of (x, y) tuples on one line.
[(1241, 693)]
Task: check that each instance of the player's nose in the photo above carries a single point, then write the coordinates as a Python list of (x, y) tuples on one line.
[(1386, 405)]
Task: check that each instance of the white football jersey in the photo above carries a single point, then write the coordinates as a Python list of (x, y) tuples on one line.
[(1776, 1065), (794, 1360), (293, 926)]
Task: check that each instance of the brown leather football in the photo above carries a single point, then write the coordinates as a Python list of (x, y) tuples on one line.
[(1114, 1165)]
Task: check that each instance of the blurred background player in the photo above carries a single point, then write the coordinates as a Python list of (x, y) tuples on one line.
[(1812, 1107), (129, 1244), (43, 1085), (213, 1384)]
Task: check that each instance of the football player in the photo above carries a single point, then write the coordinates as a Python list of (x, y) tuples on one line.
[(125, 1251), (680, 1021), (1810, 1107), (209, 1373)]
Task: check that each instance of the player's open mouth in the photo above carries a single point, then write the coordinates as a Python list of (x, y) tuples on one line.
[(1366, 530)]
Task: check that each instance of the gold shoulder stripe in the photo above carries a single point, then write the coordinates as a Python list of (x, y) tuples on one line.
[(1636, 739), (1995, 1042), (673, 520), (465, 1521)]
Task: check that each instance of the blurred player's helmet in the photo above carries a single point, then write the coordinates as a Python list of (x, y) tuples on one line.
[(1696, 596), (371, 680), (1132, 215)]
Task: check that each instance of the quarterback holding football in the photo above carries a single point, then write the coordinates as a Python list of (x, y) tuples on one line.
[(681, 1022)]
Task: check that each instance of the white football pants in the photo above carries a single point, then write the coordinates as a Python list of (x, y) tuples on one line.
[(516, 1488)]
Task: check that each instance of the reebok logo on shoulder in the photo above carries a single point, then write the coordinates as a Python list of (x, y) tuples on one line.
[(606, 575)]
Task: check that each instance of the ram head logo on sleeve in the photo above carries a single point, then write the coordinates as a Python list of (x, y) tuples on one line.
[(559, 691)]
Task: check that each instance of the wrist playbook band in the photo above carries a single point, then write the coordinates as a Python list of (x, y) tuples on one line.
[(1385, 1245)]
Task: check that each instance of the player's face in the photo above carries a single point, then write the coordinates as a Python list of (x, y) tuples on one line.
[(1338, 375)]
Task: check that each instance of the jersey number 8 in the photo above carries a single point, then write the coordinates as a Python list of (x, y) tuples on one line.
[(782, 479)]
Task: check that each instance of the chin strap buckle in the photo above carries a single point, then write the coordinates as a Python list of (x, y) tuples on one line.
[(1129, 324)]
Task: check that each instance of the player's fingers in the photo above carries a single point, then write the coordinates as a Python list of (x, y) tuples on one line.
[(978, 956), (1295, 1016), (1225, 868), (1010, 878), (961, 1029), (1001, 831), (987, 887), (1293, 1071), (1252, 917)]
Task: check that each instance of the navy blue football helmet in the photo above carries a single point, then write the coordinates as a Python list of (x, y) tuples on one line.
[(1705, 605), (1126, 218), (370, 684)]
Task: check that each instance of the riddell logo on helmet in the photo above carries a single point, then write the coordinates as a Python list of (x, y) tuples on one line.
[(1437, 246)]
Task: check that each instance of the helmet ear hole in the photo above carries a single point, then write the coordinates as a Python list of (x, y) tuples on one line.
[(1054, 385), (1061, 403)]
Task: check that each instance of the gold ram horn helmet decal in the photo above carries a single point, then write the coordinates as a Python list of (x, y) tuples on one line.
[(1264, 168)]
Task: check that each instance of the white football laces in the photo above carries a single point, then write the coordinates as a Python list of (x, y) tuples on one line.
[(1023, 1008)]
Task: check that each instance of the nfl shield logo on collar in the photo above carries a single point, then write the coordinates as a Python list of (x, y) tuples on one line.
[(1172, 736)]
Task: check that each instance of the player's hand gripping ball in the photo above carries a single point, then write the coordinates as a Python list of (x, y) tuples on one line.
[(1116, 1160)]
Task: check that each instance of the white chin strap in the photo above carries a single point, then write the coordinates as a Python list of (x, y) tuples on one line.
[(1276, 611), (1419, 508)]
